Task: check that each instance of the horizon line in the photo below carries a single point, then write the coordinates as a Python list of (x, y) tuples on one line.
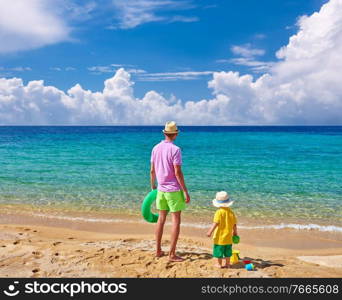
[(125, 125)]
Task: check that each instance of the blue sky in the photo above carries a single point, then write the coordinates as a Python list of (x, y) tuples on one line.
[(180, 36), (143, 62)]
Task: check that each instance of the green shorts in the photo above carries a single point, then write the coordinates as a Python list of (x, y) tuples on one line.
[(222, 251), (171, 201)]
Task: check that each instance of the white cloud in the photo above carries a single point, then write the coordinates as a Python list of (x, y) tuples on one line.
[(136, 71), (119, 65), (16, 69), (142, 75), (21, 69), (248, 58), (101, 69), (173, 76), (98, 70), (36, 103), (59, 69), (29, 24), (79, 11), (303, 87), (247, 51), (183, 19), (133, 13), (256, 66), (259, 36)]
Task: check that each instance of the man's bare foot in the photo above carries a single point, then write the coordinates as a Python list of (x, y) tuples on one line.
[(176, 258), (160, 253)]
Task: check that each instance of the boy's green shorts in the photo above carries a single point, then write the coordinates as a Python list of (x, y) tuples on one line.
[(222, 251), (171, 201)]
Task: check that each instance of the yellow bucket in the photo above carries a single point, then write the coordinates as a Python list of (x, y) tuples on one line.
[(234, 259)]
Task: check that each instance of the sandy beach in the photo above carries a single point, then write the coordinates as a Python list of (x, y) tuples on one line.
[(51, 247)]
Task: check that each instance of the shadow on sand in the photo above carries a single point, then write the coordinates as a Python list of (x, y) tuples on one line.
[(257, 262)]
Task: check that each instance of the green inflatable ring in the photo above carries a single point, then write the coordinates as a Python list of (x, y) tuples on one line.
[(146, 207)]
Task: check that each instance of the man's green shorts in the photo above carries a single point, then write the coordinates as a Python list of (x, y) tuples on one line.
[(171, 201), (222, 251)]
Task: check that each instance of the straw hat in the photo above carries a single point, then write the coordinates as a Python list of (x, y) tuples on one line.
[(171, 127), (222, 200)]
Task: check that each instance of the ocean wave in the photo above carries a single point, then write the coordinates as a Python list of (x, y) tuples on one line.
[(85, 219), (316, 227), (326, 228)]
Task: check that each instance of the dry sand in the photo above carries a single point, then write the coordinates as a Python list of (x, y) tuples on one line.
[(126, 250), (328, 261)]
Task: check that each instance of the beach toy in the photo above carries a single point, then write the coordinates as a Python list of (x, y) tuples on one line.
[(234, 259), (236, 239), (246, 262), (249, 267), (146, 207)]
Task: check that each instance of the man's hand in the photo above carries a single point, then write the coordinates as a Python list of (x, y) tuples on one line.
[(187, 197), (180, 179), (153, 177)]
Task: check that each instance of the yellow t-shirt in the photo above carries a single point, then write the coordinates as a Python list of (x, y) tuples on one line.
[(225, 218)]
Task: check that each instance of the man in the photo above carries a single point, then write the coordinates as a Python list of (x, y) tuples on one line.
[(166, 161)]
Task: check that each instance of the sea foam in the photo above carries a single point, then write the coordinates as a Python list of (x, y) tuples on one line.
[(316, 227)]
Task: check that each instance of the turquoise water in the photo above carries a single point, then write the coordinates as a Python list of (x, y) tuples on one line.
[(284, 172)]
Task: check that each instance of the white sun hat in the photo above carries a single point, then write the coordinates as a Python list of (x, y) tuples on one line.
[(171, 127), (222, 200)]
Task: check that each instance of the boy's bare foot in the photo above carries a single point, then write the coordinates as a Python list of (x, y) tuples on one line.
[(219, 266), (176, 258), (160, 253)]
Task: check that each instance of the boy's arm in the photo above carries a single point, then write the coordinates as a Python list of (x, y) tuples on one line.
[(234, 221), (212, 228), (235, 230), (153, 177)]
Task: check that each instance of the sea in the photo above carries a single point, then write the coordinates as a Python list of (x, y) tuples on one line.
[(280, 176)]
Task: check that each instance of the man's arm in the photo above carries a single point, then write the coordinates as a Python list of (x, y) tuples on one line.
[(153, 177), (180, 179)]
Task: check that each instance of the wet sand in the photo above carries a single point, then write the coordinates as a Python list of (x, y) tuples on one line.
[(36, 246)]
